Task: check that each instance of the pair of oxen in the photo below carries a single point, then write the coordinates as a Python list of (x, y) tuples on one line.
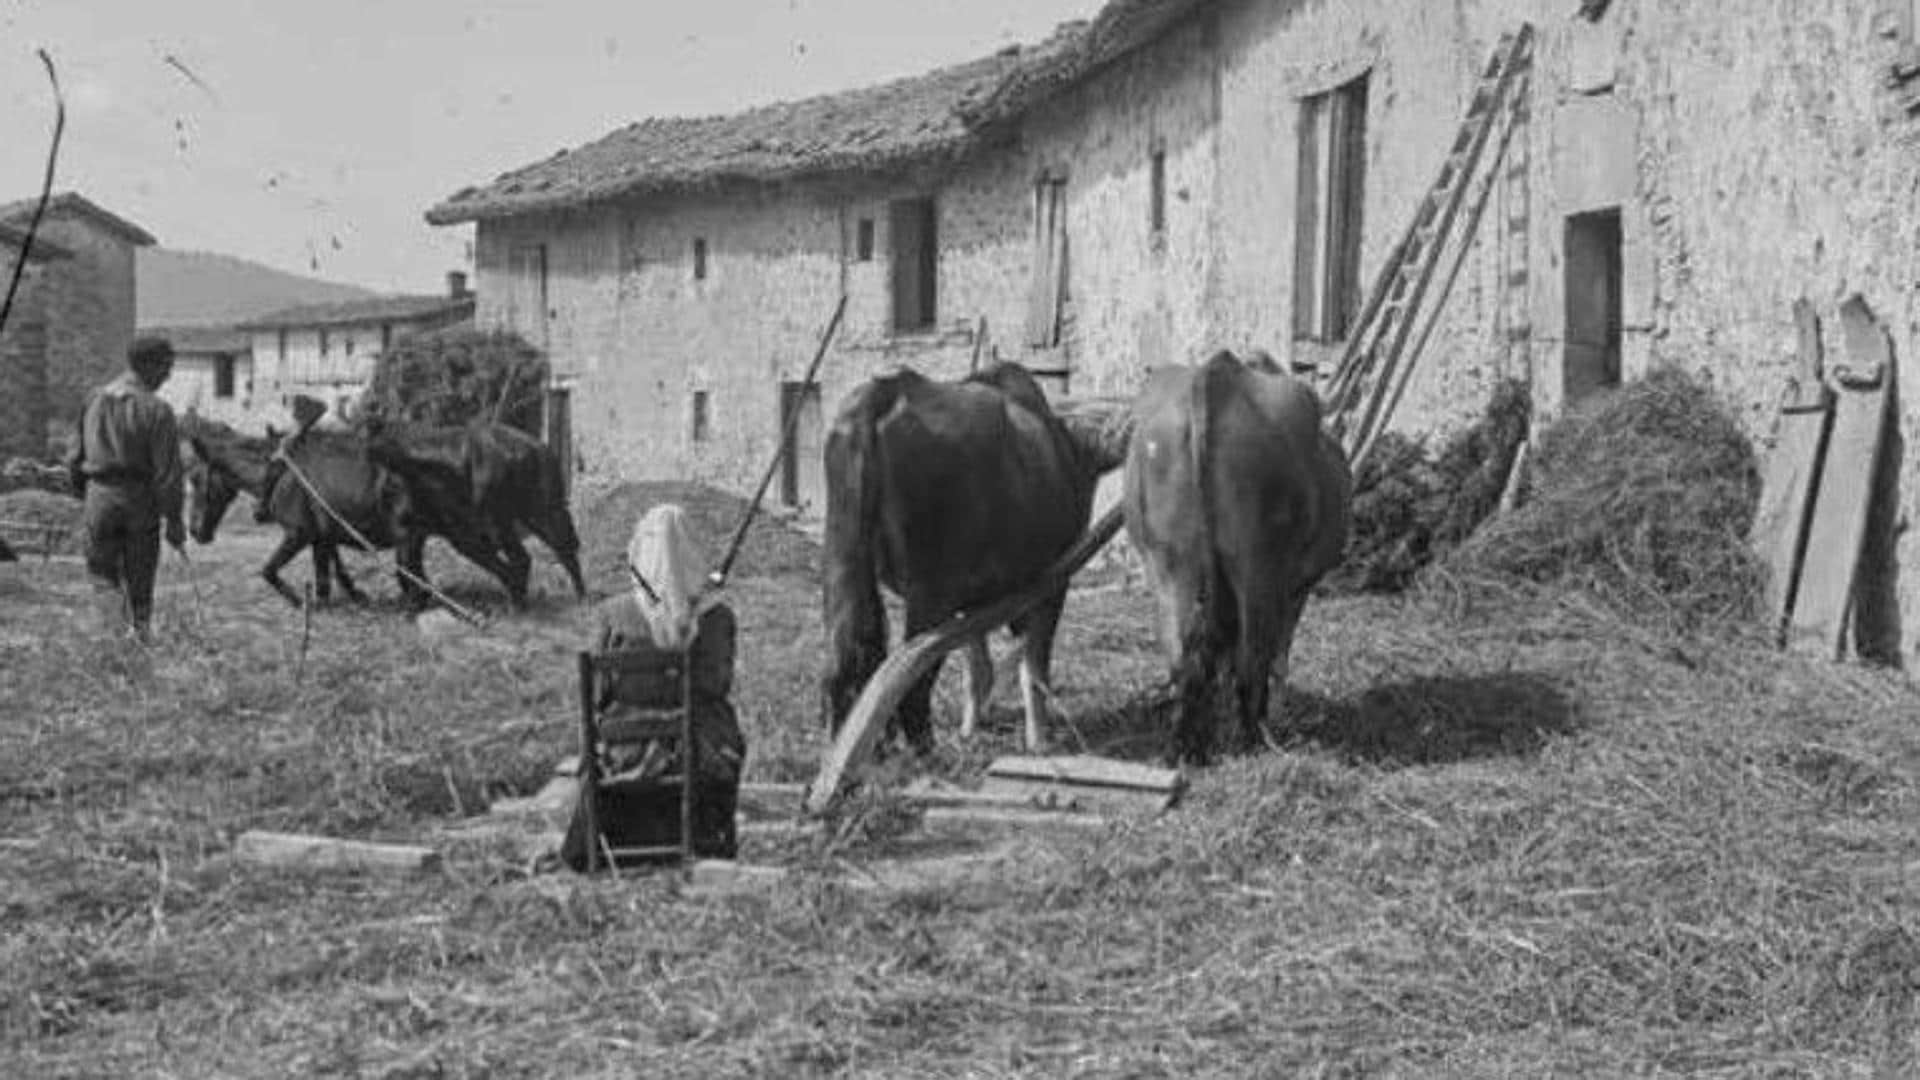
[(956, 495), (387, 485)]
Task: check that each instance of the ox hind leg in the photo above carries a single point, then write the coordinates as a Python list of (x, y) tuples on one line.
[(915, 714), (1191, 644), (1036, 629), (337, 568), (291, 545), (1264, 618), (557, 532)]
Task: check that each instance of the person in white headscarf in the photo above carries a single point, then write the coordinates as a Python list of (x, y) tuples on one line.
[(671, 615)]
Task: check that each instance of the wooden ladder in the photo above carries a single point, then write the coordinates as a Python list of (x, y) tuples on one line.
[(1375, 365)]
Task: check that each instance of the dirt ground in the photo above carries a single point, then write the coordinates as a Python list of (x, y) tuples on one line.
[(1482, 842)]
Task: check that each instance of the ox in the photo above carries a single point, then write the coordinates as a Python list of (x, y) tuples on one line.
[(952, 495), (347, 489), (1238, 502), (510, 478)]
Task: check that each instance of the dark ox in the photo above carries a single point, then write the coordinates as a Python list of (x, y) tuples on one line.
[(505, 475), (952, 495), (360, 496), (1238, 502)]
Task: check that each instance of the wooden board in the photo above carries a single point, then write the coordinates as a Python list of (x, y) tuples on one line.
[(1779, 536), (884, 691), (1838, 533), (328, 853)]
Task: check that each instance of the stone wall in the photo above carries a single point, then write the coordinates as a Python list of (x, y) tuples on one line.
[(23, 364), (90, 312)]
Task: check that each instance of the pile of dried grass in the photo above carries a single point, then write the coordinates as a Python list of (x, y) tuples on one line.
[(459, 374), (1409, 508), (1643, 499), (35, 519), (771, 549)]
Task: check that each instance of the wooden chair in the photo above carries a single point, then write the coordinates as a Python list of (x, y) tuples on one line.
[(670, 728)]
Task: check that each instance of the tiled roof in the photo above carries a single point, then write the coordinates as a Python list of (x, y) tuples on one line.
[(378, 309), (917, 120), (20, 211), (201, 339)]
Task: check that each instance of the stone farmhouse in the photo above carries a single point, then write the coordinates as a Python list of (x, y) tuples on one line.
[(23, 347), (1179, 175), (87, 300), (212, 373), (327, 351)]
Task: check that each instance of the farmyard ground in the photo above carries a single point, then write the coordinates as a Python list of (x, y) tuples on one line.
[(1517, 842)]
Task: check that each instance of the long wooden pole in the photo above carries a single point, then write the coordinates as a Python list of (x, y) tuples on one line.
[(46, 190), (719, 575)]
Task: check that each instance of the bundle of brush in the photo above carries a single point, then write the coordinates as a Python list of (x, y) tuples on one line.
[(1643, 499), (1409, 508), (459, 374)]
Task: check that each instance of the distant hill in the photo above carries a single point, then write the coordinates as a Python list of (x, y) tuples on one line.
[(200, 288)]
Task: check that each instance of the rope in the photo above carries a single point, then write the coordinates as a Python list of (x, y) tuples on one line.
[(467, 616), (46, 190)]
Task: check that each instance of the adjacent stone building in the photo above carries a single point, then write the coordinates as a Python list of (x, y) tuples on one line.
[(212, 373), (1179, 175), (23, 346), (327, 351), (88, 297)]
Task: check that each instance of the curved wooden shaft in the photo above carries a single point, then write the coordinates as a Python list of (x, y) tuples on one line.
[(905, 665)]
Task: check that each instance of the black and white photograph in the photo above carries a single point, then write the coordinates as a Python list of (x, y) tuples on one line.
[(959, 539)]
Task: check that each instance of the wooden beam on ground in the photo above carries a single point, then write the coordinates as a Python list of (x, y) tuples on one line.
[(294, 851), (1838, 534), (1092, 783), (1015, 816), (902, 668), (725, 877)]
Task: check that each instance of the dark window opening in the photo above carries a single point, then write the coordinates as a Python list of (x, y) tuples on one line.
[(700, 421), (1157, 194), (223, 376), (283, 343), (916, 246), (347, 346), (386, 336), (699, 258), (325, 344), (1327, 212), (1591, 10), (1593, 289), (863, 240)]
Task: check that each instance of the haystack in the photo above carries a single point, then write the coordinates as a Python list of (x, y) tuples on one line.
[(1643, 499), (459, 374), (1410, 506)]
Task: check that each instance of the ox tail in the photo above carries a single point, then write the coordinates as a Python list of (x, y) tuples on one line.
[(856, 623), (1205, 642)]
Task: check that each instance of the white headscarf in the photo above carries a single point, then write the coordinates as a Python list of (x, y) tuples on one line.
[(665, 555)]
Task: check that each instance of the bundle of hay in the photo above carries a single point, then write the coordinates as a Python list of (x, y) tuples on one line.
[(459, 374), (1643, 499), (1410, 507)]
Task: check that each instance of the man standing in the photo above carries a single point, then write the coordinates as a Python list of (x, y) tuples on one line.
[(128, 469)]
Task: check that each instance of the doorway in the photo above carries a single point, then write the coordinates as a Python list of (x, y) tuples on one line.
[(1592, 361), (802, 473)]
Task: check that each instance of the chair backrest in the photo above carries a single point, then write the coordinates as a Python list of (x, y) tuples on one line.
[(619, 678)]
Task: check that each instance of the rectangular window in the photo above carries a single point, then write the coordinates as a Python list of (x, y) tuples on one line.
[(283, 344), (916, 263), (326, 345), (1593, 309), (700, 422), (863, 240), (1328, 199), (699, 258), (1157, 194), (386, 336), (347, 345), (223, 376), (1047, 290), (527, 298)]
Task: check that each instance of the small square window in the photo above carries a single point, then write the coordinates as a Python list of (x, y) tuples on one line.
[(863, 240), (699, 258), (701, 420), (1157, 193)]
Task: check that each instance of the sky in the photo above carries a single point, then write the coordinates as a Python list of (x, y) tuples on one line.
[(314, 136)]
